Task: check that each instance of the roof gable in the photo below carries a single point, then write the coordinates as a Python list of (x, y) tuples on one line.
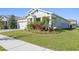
[(36, 10)]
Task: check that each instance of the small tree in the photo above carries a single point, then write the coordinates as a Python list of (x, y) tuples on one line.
[(29, 26), (12, 22), (1, 24), (45, 23)]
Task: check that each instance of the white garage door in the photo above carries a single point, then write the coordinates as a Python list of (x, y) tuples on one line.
[(22, 25)]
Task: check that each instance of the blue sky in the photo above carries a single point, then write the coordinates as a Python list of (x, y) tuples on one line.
[(69, 13)]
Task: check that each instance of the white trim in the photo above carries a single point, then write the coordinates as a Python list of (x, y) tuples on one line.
[(45, 11)]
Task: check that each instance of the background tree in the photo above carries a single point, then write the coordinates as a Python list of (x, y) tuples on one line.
[(12, 23)]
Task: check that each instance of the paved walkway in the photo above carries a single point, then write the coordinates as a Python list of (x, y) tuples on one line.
[(8, 30), (12, 44)]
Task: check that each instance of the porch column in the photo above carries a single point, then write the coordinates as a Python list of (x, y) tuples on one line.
[(32, 19), (50, 21), (41, 19), (50, 17)]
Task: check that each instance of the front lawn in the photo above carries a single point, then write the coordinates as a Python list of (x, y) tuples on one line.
[(66, 40), (2, 49)]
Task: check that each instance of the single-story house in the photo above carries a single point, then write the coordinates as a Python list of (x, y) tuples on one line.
[(55, 21)]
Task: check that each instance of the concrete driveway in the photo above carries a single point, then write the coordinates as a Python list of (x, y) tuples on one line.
[(12, 44)]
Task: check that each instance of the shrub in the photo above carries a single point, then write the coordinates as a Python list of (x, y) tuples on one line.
[(1, 24), (38, 25), (29, 26)]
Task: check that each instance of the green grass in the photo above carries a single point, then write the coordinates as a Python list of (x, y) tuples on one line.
[(67, 40), (2, 49)]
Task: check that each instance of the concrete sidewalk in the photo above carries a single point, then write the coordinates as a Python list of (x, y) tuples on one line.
[(9, 30), (12, 44)]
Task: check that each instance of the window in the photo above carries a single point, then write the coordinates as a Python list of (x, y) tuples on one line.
[(38, 19)]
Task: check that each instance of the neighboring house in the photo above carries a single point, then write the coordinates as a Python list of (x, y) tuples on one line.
[(73, 23), (78, 25), (5, 19), (55, 21)]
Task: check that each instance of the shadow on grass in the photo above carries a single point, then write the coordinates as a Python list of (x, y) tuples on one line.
[(56, 31), (21, 36), (63, 30)]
